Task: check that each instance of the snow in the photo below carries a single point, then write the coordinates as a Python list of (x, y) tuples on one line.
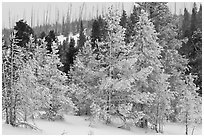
[(61, 39), (9, 130), (76, 125), (75, 37), (179, 129)]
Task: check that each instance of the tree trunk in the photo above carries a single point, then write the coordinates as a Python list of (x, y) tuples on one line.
[(193, 130), (143, 120), (25, 116), (7, 116), (186, 123), (11, 116), (157, 116), (161, 125), (108, 109)]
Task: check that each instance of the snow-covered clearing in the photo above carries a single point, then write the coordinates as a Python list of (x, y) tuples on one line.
[(179, 129), (76, 125)]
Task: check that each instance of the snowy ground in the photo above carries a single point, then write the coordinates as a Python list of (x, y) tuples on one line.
[(75, 125)]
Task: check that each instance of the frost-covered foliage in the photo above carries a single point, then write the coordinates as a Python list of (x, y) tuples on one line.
[(32, 82), (118, 76), (52, 83), (84, 79), (99, 72), (13, 58), (149, 51), (174, 64), (189, 104), (140, 80)]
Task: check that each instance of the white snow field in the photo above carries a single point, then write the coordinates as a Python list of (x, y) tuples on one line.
[(76, 125)]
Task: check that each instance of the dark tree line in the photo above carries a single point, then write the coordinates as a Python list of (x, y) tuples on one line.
[(192, 49)]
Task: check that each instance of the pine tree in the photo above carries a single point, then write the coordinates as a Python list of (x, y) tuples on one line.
[(72, 51), (111, 51), (193, 26), (103, 27), (6, 73), (186, 24), (189, 104), (98, 74), (63, 26), (199, 18), (123, 20), (158, 12), (26, 86), (96, 33), (82, 37), (12, 63), (83, 79), (195, 58), (53, 82), (50, 38), (174, 63), (23, 33), (149, 54), (132, 20), (63, 51), (42, 35), (192, 49)]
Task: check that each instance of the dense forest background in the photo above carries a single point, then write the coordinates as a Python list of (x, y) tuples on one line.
[(162, 51)]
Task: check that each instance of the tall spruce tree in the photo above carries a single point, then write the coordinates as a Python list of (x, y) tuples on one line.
[(50, 38), (12, 64), (23, 33), (53, 82), (199, 18), (186, 24), (84, 80), (174, 63), (192, 48), (82, 37), (149, 52), (109, 74), (189, 104), (193, 26), (123, 20), (195, 58), (95, 33), (134, 17), (98, 31), (72, 51), (158, 11)]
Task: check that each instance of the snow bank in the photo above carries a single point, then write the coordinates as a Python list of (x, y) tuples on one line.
[(9, 130), (76, 125)]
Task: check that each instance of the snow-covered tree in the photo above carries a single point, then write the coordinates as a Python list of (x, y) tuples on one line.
[(26, 86), (53, 82), (174, 63), (131, 21), (13, 58), (122, 76), (149, 56), (98, 72), (84, 79), (189, 104)]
